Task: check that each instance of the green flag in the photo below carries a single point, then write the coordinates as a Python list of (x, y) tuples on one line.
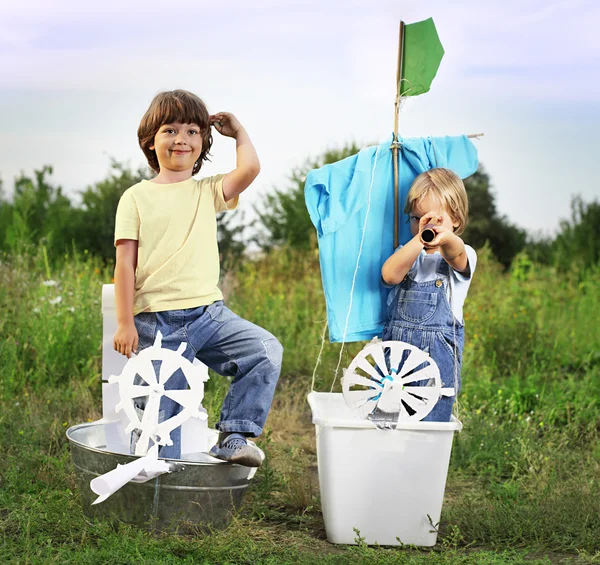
[(422, 55)]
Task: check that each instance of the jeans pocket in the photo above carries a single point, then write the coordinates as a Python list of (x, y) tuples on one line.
[(416, 306), (218, 312), (145, 325)]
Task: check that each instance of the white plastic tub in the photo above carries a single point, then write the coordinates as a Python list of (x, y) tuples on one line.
[(383, 483)]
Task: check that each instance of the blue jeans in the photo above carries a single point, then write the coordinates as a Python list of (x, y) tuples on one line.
[(229, 345)]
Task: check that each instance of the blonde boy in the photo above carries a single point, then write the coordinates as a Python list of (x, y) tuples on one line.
[(430, 279)]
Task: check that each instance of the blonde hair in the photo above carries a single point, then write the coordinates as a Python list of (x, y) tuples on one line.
[(448, 187)]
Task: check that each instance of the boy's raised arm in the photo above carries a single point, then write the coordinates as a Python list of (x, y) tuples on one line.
[(247, 163)]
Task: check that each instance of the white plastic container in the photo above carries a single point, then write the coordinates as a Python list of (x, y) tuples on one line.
[(383, 483)]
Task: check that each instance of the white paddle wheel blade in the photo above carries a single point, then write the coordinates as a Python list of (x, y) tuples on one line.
[(168, 368), (186, 398), (148, 425), (136, 391), (352, 379), (145, 369), (396, 352), (421, 375), (364, 365), (430, 393), (377, 354), (413, 402), (150, 417), (415, 358), (194, 377)]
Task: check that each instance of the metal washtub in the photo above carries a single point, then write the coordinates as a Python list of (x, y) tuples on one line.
[(196, 495)]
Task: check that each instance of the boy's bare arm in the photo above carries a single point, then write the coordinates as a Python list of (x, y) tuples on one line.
[(126, 338), (247, 163), (395, 268), (452, 249)]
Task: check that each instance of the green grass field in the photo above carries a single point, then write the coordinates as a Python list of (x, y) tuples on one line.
[(524, 480)]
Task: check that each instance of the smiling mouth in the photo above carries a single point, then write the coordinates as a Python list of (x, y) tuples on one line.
[(180, 152)]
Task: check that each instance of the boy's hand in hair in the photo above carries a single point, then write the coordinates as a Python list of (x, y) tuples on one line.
[(226, 124)]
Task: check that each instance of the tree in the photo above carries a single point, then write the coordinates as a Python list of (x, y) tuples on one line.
[(94, 224), (230, 233), (485, 224), (283, 216), (39, 211), (579, 239)]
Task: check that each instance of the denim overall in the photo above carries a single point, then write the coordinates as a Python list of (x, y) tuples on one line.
[(421, 316)]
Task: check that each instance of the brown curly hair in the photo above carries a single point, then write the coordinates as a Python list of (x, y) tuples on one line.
[(174, 106)]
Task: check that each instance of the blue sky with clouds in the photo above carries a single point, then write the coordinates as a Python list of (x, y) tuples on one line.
[(75, 79)]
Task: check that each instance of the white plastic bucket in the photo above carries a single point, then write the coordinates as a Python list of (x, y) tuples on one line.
[(386, 486)]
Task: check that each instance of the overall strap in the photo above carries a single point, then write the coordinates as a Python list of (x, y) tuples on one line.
[(443, 268)]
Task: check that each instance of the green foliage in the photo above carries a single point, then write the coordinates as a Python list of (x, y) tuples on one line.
[(284, 219), (578, 242), (524, 469), (95, 221), (231, 228), (39, 211)]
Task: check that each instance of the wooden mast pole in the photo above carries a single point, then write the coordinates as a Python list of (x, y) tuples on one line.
[(395, 145)]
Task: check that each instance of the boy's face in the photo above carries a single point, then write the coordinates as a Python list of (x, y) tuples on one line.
[(429, 203), (177, 146)]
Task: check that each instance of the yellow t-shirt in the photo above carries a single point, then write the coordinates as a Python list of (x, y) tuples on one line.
[(176, 229)]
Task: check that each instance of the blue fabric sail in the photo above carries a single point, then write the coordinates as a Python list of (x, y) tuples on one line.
[(337, 198)]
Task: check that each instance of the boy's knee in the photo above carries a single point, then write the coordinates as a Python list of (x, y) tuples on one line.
[(273, 350)]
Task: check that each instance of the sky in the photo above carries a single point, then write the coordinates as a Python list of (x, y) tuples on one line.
[(304, 77)]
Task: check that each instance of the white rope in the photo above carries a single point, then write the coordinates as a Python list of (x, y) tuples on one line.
[(312, 385), (356, 270), (455, 408)]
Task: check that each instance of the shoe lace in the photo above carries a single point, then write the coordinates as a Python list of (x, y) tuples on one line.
[(235, 441)]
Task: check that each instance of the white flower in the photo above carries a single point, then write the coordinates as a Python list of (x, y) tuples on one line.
[(50, 283), (55, 301), (71, 309), (36, 310)]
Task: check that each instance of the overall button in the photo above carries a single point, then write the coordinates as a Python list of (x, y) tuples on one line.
[(438, 283)]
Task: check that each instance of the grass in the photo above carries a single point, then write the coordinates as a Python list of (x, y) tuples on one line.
[(523, 484)]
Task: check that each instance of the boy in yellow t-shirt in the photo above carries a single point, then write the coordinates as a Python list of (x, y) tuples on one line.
[(167, 269)]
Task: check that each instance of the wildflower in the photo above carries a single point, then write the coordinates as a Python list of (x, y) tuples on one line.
[(36, 310), (55, 301), (71, 309), (528, 419), (17, 404), (50, 283)]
